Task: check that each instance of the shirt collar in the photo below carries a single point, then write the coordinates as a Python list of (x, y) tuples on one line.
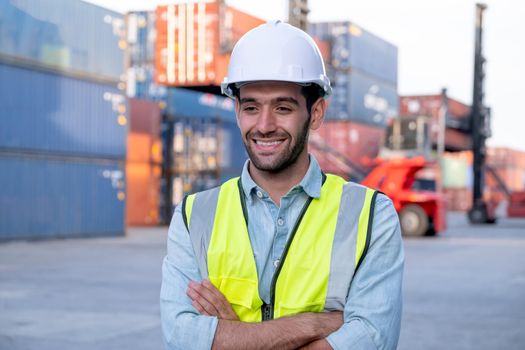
[(310, 184)]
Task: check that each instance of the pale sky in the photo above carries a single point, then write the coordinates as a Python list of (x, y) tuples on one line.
[(435, 40)]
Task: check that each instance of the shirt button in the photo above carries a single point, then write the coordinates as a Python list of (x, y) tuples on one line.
[(280, 222), (276, 262), (259, 194)]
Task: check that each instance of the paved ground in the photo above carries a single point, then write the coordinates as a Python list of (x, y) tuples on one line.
[(463, 290)]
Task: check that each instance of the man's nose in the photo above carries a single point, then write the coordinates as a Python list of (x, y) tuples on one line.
[(266, 122)]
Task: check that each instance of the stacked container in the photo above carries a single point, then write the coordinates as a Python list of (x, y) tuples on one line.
[(194, 41), (141, 34), (509, 164), (457, 118), (363, 72), (457, 172), (64, 124), (143, 163), (202, 145), (353, 147)]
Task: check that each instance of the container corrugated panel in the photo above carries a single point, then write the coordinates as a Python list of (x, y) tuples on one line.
[(71, 36), (188, 103), (46, 112), (458, 113), (143, 192), (356, 142), (144, 117), (141, 37), (430, 105), (47, 198), (358, 97), (194, 42), (353, 48), (141, 84), (195, 145)]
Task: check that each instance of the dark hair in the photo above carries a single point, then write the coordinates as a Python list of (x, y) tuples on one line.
[(310, 92)]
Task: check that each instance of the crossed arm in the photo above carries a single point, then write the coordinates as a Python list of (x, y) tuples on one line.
[(307, 331)]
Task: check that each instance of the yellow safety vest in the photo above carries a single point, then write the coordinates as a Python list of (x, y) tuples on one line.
[(301, 280)]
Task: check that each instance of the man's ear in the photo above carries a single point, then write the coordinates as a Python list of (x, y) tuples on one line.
[(317, 112)]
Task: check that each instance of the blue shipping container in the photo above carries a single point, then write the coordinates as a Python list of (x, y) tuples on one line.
[(68, 35), (54, 113), (360, 98), (141, 84), (353, 48), (188, 103), (233, 153), (47, 198), (141, 37)]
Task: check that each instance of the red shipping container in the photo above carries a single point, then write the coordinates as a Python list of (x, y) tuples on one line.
[(359, 143), (194, 41)]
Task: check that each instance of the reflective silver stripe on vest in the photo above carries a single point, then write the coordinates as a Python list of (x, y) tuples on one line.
[(201, 226), (342, 263)]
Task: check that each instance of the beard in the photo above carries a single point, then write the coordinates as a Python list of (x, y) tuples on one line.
[(287, 157)]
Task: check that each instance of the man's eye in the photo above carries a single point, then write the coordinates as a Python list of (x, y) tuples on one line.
[(284, 109), (249, 108)]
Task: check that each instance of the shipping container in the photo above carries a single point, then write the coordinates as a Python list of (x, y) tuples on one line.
[(505, 157), (143, 193), (194, 41), (188, 103), (362, 99), (73, 37), (349, 142), (58, 197), (458, 113), (140, 83), (175, 187), (355, 49), (232, 152), (144, 117), (46, 112), (458, 199), (141, 35), (144, 136), (203, 145)]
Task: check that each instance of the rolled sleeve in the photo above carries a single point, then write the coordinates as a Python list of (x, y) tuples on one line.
[(182, 326), (372, 313)]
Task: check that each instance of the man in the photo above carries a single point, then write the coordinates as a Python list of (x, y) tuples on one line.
[(285, 256)]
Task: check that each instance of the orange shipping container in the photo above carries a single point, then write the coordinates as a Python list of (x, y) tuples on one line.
[(143, 188), (194, 41)]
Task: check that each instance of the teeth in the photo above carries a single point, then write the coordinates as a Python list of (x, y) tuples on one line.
[(267, 143)]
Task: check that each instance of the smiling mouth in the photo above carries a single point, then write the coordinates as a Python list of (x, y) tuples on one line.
[(268, 143)]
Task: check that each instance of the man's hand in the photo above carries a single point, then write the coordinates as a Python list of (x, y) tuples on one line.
[(209, 301)]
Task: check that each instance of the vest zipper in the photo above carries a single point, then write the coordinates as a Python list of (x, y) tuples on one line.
[(268, 309)]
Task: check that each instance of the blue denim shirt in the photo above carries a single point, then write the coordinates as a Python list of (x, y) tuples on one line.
[(372, 313)]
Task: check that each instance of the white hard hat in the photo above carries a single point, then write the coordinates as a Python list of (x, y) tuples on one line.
[(276, 51)]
